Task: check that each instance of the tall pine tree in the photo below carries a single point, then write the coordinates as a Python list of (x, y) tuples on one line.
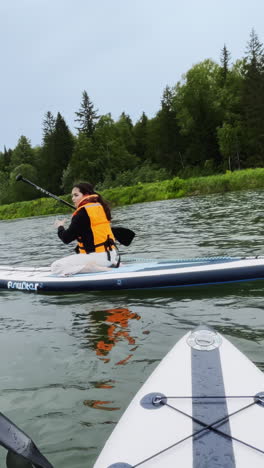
[(86, 116), (48, 125), (224, 60), (169, 146), (253, 102), (141, 137), (56, 153)]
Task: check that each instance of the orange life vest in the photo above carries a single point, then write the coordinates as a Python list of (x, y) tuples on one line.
[(103, 236)]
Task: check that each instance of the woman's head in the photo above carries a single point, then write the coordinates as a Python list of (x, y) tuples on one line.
[(80, 190), (84, 188)]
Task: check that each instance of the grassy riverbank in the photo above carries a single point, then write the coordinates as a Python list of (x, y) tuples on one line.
[(248, 179)]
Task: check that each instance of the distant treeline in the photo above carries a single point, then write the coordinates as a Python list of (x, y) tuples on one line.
[(210, 122)]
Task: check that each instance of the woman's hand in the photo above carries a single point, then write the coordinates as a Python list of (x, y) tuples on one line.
[(60, 222)]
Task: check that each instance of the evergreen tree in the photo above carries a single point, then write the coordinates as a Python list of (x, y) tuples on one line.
[(5, 160), (199, 113), (224, 60), (126, 118), (229, 134), (4, 188), (22, 154), (141, 137), (166, 147), (86, 116), (56, 153), (253, 102), (101, 157), (86, 163), (254, 55), (48, 125), (116, 144), (124, 127)]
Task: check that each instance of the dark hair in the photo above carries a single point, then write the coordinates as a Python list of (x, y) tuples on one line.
[(87, 189)]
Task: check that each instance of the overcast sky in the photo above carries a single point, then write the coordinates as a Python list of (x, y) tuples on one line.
[(122, 52)]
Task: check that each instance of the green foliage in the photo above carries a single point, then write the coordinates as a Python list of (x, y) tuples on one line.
[(124, 127), (5, 160), (4, 188), (140, 132), (248, 179), (164, 141), (100, 157), (22, 154), (142, 174), (229, 138), (199, 112), (56, 154), (39, 207), (140, 193), (110, 140), (175, 185), (137, 193), (85, 163), (19, 190), (253, 102)]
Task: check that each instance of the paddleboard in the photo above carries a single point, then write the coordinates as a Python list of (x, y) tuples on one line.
[(202, 407), (137, 275)]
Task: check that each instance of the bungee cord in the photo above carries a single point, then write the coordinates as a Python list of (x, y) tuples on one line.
[(162, 400)]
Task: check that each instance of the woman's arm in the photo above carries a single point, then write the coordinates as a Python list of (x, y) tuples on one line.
[(80, 224), (71, 233)]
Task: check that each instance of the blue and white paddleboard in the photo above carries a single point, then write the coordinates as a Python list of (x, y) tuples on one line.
[(137, 275), (203, 407)]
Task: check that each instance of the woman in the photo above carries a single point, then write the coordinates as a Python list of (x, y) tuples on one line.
[(90, 226)]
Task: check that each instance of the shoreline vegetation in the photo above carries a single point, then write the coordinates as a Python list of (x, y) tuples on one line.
[(248, 179)]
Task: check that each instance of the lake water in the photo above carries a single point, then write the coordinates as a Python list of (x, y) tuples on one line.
[(70, 364)]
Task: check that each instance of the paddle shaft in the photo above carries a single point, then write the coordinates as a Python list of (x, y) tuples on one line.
[(19, 177)]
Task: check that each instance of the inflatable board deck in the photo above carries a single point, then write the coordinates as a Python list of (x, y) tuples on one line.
[(203, 407)]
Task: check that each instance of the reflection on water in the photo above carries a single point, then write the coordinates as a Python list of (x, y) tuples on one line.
[(107, 384), (97, 404), (103, 329)]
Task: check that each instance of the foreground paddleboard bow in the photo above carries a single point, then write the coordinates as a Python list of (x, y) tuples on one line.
[(203, 407)]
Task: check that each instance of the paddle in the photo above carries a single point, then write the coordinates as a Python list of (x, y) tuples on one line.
[(123, 235), (20, 177), (22, 452)]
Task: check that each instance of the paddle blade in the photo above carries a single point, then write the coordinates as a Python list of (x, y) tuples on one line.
[(123, 235), (16, 461), (17, 442)]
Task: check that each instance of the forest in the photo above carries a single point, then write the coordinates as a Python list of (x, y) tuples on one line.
[(210, 122)]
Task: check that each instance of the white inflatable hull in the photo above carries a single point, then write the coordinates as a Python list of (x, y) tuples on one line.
[(137, 275), (203, 407)]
